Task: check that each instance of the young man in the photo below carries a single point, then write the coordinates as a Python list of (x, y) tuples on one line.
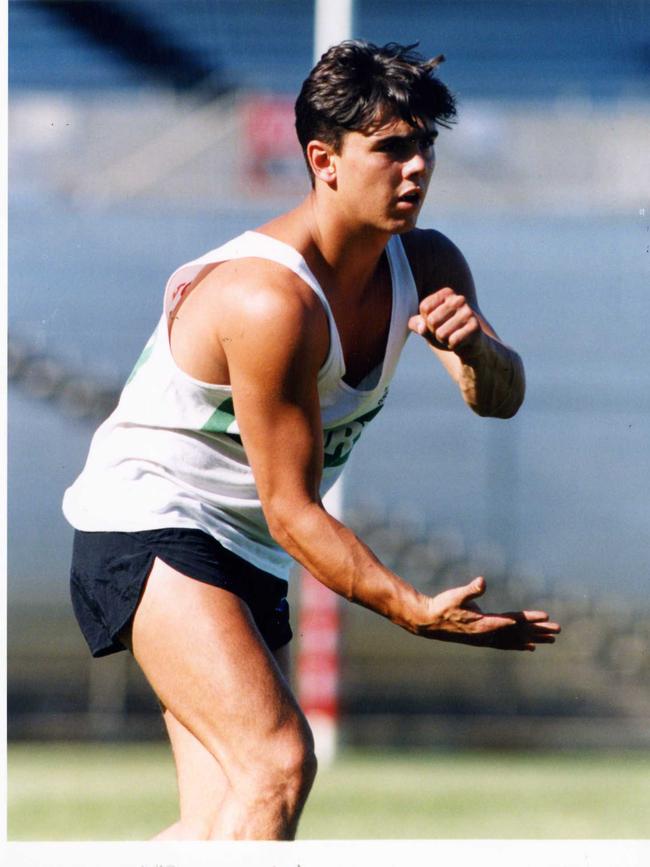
[(272, 353)]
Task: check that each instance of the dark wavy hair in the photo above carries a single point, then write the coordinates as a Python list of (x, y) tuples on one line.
[(356, 82)]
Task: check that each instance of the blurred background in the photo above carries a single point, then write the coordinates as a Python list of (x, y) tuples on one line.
[(143, 133)]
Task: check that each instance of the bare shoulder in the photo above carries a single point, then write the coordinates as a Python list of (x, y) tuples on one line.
[(253, 313), (262, 303), (257, 286), (437, 262)]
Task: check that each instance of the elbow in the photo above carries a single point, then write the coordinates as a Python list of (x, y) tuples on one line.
[(517, 393), (511, 407), (285, 520), (508, 408), (501, 412), (279, 524), (507, 413), (504, 402)]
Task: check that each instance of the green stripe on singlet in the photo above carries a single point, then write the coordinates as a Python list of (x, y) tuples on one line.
[(144, 355), (221, 419), (338, 442)]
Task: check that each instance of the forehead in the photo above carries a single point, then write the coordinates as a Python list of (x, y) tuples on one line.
[(392, 124), (389, 125)]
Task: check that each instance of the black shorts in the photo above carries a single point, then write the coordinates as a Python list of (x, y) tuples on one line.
[(109, 570)]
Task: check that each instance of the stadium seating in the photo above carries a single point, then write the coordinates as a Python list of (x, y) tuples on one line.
[(492, 48)]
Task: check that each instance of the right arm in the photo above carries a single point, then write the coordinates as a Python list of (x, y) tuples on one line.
[(274, 337)]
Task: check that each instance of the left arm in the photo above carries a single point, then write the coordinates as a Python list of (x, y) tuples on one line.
[(489, 374)]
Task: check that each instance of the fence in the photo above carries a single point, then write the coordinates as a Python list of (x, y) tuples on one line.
[(146, 152), (589, 690)]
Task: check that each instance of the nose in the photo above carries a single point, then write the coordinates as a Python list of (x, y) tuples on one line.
[(417, 165)]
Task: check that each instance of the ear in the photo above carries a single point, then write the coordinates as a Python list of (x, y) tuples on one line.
[(322, 162)]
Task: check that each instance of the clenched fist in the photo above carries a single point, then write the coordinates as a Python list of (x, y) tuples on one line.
[(447, 321)]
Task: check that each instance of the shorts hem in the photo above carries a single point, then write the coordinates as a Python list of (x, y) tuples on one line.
[(110, 570)]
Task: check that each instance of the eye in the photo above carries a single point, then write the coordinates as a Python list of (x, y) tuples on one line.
[(427, 142), (398, 148), (402, 149)]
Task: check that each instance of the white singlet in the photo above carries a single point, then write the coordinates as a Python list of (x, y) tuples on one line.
[(170, 454)]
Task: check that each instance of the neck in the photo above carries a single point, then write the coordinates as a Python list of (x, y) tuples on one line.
[(349, 255)]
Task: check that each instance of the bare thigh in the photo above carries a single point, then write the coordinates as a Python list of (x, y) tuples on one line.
[(202, 782), (204, 657)]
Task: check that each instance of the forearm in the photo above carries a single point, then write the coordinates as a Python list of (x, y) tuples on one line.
[(491, 379), (337, 558), (334, 555)]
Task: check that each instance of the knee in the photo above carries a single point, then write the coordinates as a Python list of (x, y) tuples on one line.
[(292, 763), (269, 789), (304, 764), (286, 770)]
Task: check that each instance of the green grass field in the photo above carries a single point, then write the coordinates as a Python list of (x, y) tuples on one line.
[(127, 792)]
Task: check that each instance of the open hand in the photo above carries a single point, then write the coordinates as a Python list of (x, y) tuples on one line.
[(446, 321), (454, 616)]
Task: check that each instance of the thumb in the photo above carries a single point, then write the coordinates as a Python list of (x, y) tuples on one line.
[(460, 596), (475, 588), (417, 324)]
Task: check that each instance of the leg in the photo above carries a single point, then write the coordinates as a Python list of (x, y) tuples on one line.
[(202, 784), (206, 661)]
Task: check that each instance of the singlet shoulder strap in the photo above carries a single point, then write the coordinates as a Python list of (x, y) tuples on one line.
[(406, 293), (247, 245), (257, 245)]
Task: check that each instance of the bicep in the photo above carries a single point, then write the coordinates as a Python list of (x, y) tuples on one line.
[(442, 264), (279, 423), (273, 365)]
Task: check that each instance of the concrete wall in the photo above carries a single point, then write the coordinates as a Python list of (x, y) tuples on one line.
[(559, 157)]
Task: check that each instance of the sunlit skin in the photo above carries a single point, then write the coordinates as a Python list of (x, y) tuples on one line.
[(370, 187), (257, 326), (382, 176)]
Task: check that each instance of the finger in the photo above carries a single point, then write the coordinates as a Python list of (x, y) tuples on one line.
[(497, 623), (434, 300), (547, 629), (530, 632), (552, 627), (444, 311), (517, 637), (532, 616), (456, 320), (464, 334), (417, 325), (505, 641), (540, 617)]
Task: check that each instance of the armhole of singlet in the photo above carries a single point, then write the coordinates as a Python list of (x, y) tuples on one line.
[(286, 256)]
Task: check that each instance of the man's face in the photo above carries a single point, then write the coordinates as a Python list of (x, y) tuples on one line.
[(383, 173)]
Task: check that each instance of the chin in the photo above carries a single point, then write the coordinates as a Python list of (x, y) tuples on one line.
[(403, 225), (404, 222)]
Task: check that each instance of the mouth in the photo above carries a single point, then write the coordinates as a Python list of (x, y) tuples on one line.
[(411, 199)]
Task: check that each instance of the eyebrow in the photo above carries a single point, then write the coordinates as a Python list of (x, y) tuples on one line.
[(419, 135)]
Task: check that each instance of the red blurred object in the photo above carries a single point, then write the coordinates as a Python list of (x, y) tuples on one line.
[(273, 150), (318, 659)]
